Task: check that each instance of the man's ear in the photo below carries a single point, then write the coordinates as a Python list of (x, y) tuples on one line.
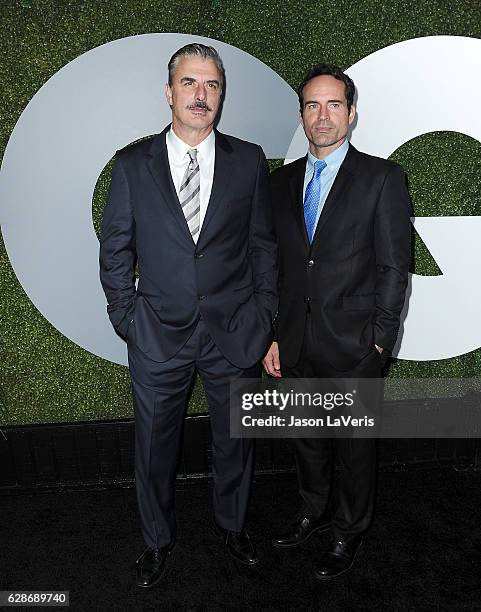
[(352, 113), (168, 94)]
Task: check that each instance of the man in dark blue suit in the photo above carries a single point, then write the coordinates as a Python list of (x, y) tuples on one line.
[(191, 207)]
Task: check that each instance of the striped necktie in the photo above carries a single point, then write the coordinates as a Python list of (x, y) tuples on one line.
[(189, 194), (312, 197)]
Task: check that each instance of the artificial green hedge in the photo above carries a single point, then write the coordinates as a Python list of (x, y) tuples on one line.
[(46, 378)]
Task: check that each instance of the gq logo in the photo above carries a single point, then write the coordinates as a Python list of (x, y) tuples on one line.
[(113, 95)]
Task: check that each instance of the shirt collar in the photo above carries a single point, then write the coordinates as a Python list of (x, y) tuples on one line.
[(179, 148), (333, 160)]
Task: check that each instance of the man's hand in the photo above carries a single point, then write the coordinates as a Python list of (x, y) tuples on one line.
[(271, 362), (379, 348)]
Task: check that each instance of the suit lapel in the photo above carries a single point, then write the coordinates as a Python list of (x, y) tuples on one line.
[(223, 167), (296, 187), (159, 168), (341, 182)]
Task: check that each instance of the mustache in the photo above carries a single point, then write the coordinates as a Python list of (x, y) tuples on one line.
[(199, 104)]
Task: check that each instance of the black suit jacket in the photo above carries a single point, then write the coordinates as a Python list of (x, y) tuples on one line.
[(353, 276), (229, 278)]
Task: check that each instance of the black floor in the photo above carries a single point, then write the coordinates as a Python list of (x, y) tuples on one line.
[(423, 552)]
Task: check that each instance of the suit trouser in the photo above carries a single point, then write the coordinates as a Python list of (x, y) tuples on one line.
[(161, 393), (352, 505)]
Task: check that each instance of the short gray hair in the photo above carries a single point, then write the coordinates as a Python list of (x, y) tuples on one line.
[(200, 50)]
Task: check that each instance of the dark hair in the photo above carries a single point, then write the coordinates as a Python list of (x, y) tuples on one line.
[(196, 49), (330, 70)]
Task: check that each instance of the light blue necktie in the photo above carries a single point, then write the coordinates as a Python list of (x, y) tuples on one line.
[(312, 197)]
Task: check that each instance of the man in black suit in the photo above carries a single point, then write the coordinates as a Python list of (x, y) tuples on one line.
[(191, 207), (343, 226)]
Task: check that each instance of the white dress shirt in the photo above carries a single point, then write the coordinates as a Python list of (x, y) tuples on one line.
[(179, 160)]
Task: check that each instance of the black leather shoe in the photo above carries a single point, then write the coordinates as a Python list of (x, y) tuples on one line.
[(238, 543), (150, 565), (301, 528), (338, 559)]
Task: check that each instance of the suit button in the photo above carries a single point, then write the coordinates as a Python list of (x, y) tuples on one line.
[(310, 263), (201, 297), (198, 255)]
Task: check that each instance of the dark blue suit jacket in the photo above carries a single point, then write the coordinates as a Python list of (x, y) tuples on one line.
[(229, 278)]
